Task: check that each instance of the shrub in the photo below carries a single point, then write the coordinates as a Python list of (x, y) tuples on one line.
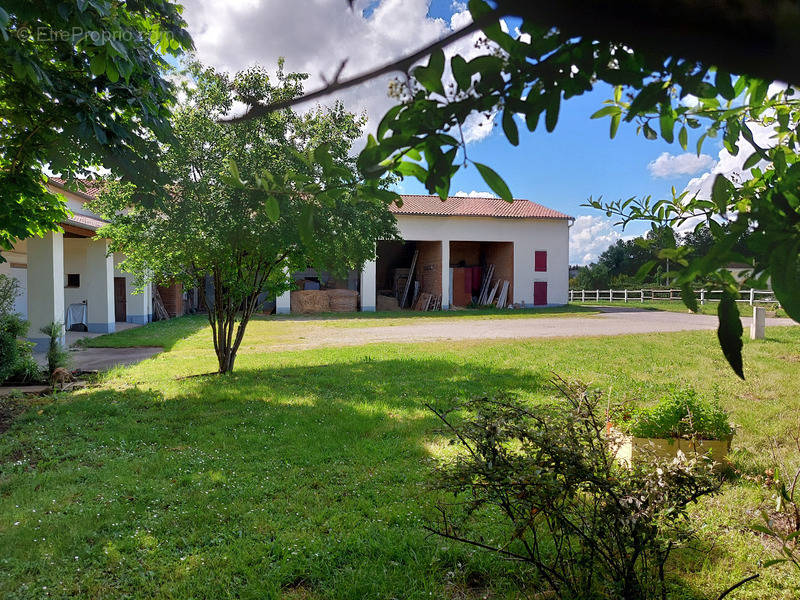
[(57, 356), (679, 413), (12, 350), (26, 370), (9, 290), (546, 477)]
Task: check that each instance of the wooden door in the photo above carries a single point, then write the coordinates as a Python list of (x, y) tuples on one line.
[(539, 293), (120, 302)]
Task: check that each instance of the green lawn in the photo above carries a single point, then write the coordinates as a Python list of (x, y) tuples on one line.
[(302, 475)]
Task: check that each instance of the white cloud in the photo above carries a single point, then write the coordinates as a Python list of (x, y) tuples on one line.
[(589, 237), (673, 165), (316, 38), (475, 194), (729, 165)]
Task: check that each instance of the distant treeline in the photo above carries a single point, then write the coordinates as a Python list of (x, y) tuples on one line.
[(618, 266)]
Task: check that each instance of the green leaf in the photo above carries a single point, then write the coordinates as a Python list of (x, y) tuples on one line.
[(688, 297), (615, 119), (510, 127), (306, 225), (773, 562), (461, 72), (786, 276), (98, 64), (430, 76), (722, 81), (729, 332), (751, 161), (413, 169), (721, 192), (605, 111), (272, 208), (495, 182), (111, 72), (683, 137), (551, 112), (649, 132), (667, 123)]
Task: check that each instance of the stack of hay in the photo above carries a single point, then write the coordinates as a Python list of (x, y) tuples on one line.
[(305, 302), (342, 300)]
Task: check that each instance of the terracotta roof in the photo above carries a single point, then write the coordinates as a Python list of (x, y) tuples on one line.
[(85, 221), (466, 206), (86, 188)]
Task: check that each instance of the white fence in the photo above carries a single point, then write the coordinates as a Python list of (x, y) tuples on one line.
[(751, 297)]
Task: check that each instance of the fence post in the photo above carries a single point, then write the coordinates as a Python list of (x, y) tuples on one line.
[(626, 295), (702, 297), (641, 295), (583, 295), (752, 296), (597, 295)]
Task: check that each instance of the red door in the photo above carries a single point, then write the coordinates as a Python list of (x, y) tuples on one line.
[(539, 293), (120, 308)]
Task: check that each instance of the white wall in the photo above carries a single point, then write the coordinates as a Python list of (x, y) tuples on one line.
[(528, 235), (75, 262)]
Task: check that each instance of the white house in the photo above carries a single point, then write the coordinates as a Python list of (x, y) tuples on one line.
[(527, 243), (70, 268)]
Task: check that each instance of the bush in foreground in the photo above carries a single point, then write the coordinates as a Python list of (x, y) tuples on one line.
[(590, 527)]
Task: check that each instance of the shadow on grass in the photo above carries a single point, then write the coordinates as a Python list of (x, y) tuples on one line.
[(159, 333), (266, 476)]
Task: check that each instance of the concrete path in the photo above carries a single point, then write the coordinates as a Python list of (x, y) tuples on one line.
[(611, 321), (99, 359)]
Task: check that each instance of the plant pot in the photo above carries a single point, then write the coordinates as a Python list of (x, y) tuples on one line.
[(629, 449)]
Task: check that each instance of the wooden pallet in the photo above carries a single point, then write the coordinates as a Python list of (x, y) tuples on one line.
[(410, 277), (158, 306)]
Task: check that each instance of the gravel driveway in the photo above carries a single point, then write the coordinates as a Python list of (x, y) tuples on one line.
[(611, 321)]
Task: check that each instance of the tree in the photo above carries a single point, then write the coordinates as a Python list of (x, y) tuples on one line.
[(82, 85), (301, 204)]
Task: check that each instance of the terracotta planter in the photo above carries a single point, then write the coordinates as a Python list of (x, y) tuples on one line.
[(629, 449)]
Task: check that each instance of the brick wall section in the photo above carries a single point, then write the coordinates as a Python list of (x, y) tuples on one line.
[(468, 253), (501, 255), (172, 296), (429, 267)]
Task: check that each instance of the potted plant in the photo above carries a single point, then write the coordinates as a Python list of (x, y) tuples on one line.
[(681, 420)]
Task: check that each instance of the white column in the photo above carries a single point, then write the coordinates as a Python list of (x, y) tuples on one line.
[(758, 324), (99, 287), (368, 286), (283, 304), (45, 285), (445, 274), (137, 304)]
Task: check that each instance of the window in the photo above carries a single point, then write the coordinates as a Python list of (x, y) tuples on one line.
[(73, 280), (540, 260)]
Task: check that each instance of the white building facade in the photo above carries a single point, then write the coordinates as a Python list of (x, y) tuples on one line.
[(71, 269), (527, 243)]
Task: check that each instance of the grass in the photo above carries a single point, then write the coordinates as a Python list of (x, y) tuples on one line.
[(302, 474), (677, 306)]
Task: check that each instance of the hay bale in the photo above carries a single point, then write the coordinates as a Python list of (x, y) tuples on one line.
[(342, 300), (305, 302), (384, 303)]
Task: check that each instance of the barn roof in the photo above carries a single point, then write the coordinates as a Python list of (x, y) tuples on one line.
[(469, 206)]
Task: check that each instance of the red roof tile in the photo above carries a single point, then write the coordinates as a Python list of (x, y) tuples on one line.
[(87, 188), (85, 221), (466, 206)]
